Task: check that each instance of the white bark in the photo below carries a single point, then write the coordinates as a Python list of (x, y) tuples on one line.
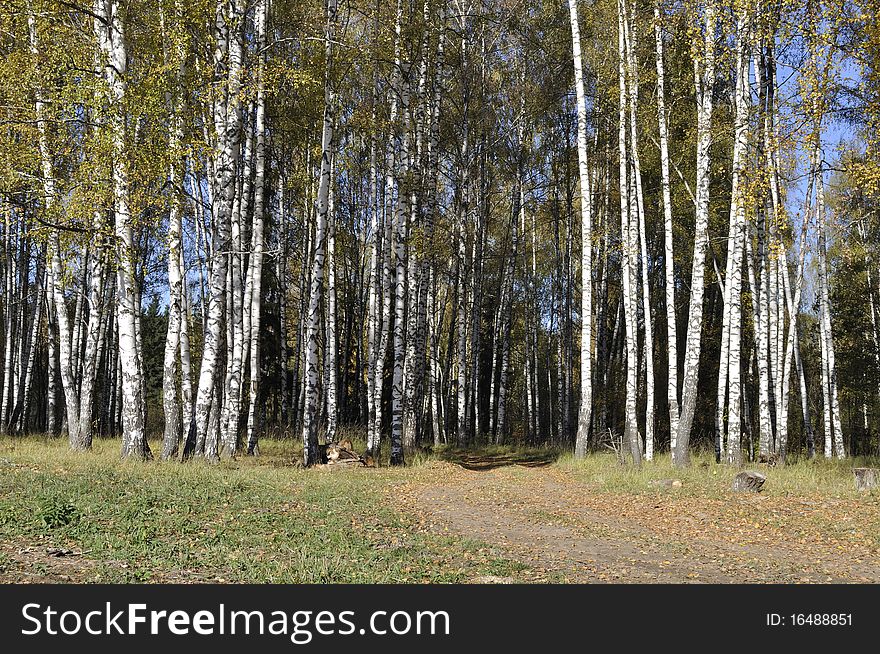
[(52, 346), (831, 403), (629, 243), (255, 279), (762, 324), (313, 317), (236, 309), (9, 318), (421, 218), (18, 419), (374, 295), (111, 40), (56, 274), (227, 126), (735, 248), (586, 406), (793, 300), (331, 363), (668, 253), (398, 247), (89, 366), (704, 80), (171, 404), (639, 225)]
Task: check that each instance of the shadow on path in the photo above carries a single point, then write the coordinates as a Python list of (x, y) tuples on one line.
[(485, 461)]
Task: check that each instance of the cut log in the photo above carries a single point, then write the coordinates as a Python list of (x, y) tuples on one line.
[(749, 481), (866, 478)]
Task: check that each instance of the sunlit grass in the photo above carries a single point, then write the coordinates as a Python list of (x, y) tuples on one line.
[(258, 519), (266, 519), (802, 476)]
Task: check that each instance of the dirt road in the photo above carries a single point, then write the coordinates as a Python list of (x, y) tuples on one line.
[(564, 530)]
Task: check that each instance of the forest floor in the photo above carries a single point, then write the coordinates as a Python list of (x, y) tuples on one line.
[(595, 521), (493, 516)]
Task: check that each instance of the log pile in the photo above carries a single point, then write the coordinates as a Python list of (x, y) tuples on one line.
[(340, 455)]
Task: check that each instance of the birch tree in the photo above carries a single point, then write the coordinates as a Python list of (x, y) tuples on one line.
[(255, 279), (704, 81), (669, 244), (226, 115), (586, 406), (310, 412)]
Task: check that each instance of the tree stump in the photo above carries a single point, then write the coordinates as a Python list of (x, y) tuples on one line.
[(866, 478), (749, 481)]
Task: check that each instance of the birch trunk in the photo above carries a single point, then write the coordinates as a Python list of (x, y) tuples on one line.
[(235, 307), (586, 406), (668, 253), (399, 251), (171, 403), (18, 419), (421, 221), (639, 226), (111, 39), (629, 241), (331, 338), (374, 295), (71, 399), (257, 244), (763, 316), (89, 366), (9, 317), (793, 299), (310, 409), (735, 247), (831, 403), (52, 347), (704, 81), (462, 287), (202, 438)]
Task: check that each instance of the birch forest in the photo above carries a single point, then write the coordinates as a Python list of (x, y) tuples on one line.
[(649, 225)]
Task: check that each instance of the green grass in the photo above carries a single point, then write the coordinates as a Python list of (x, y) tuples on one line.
[(252, 520)]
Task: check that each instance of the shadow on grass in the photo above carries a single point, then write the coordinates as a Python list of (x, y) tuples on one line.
[(489, 460)]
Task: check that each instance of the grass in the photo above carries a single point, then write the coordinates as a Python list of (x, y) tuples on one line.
[(266, 519), (705, 478), (251, 520)]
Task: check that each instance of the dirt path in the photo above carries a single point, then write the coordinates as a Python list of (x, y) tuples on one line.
[(565, 531)]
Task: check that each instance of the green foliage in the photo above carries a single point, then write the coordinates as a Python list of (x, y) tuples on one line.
[(57, 512), (507, 66)]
